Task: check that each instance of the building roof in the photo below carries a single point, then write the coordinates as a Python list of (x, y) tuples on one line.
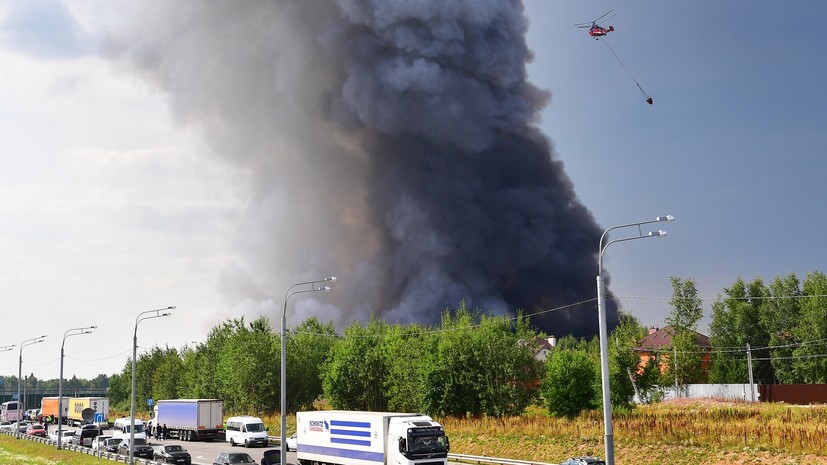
[(662, 338)]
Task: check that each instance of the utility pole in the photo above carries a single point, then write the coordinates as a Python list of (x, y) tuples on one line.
[(751, 382)]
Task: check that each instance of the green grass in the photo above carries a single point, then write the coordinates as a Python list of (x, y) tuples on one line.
[(15, 451)]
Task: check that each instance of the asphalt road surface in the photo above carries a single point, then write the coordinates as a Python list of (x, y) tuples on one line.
[(203, 452)]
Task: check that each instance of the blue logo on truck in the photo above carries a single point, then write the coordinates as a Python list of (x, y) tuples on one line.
[(356, 433)]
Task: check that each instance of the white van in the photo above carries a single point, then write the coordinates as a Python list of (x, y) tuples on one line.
[(246, 430), (121, 428)]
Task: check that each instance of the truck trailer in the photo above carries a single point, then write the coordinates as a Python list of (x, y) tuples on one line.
[(337, 437), (86, 409), (190, 419), (49, 408)]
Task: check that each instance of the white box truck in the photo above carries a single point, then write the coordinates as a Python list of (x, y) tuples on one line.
[(190, 419), (369, 438)]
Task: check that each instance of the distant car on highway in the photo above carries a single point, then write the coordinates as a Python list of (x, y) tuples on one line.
[(292, 442), (271, 457), (235, 458), (110, 445), (6, 425), (24, 425), (141, 448), (172, 453), (67, 435), (99, 440), (84, 436), (36, 429)]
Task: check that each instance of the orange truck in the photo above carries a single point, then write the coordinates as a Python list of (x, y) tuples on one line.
[(48, 406)]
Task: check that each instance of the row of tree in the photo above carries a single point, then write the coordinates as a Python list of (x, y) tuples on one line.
[(477, 364), (470, 364), (785, 325)]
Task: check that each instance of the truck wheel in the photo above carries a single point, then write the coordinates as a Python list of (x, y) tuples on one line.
[(232, 443), (246, 444)]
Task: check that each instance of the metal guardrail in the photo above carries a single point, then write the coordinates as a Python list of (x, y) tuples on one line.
[(462, 458), (83, 450)]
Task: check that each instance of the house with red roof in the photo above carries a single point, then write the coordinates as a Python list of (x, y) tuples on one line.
[(657, 346)]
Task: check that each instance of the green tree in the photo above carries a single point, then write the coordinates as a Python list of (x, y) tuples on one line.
[(404, 349), (569, 386), (624, 361), (808, 363), (480, 365), (354, 377), (308, 347), (780, 314), (687, 356), (166, 381), (736, 323), (248, 367)]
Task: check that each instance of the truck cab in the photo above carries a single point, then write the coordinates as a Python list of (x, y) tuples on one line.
[(418, 439)]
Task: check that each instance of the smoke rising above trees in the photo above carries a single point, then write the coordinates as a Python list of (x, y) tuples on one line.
[(391, 143)]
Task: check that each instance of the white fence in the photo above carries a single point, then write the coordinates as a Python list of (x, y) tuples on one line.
[(718, 391)]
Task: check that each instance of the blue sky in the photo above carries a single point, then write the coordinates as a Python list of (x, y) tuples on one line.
[(100, 182), (732, 147)]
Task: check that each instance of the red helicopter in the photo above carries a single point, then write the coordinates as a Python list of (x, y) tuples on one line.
[(595, 29)]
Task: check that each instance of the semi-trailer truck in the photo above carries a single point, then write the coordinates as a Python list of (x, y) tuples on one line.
[(85, 409), (337, 437), (190, 419)]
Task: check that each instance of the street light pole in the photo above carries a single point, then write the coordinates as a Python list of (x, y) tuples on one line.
[(27, 342), (601, 311), (70, 332), (151, 314), (283, 392)]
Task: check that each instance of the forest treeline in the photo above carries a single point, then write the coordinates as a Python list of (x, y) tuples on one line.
[(473, 364)]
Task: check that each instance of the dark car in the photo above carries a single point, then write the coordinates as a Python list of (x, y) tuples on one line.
[(36, 429), (271, 457), (141, 448), (172, 454), (583, 461), (237, 458), (83, 437)]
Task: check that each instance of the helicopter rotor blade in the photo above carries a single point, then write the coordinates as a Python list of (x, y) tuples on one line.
[(604, 14)]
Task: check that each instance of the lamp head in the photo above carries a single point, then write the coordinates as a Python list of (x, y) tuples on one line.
[(668, 218), (324, 288), (331, 279), (658, 233)]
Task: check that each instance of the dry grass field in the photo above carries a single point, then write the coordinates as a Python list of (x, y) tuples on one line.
[(699, 432)]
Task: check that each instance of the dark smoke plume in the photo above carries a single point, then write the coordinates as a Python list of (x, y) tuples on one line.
[(390, 142)]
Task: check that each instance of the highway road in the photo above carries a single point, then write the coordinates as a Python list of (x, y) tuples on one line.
[(203, 452)]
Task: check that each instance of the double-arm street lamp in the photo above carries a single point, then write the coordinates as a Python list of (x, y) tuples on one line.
[(70, 332), (147, 315), (601, 310), (27, 342), (315, 287)]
